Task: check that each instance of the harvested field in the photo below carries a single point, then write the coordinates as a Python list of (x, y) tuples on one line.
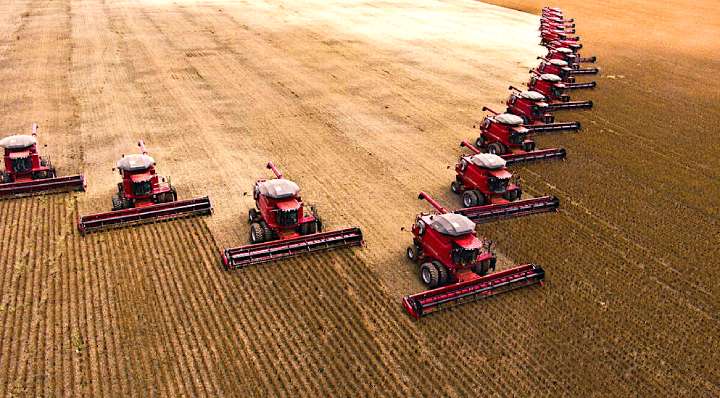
[(363, 104)]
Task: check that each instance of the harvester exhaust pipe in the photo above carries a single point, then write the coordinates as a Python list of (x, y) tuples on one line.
[(469, 146), (485, 108), (432, 202), (34, 129), (141, 145), (274, 169)]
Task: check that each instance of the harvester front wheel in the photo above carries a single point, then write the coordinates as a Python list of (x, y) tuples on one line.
[(4, 178), (443, 273), (471, 198), (480, 142), (257, 233), (430, 275), (117, 203), (482, 268), (496, 148)]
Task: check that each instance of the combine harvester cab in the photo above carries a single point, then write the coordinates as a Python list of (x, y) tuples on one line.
[(143, 197), (535, 112), (455, 264), (27, 173), (281, 226), (505, 135), (552, 87), (488, 191)]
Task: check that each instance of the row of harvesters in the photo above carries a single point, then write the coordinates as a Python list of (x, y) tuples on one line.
[(454, 263), (281, 225)]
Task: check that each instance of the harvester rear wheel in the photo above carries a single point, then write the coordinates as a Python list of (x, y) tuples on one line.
[(429, 275), (252, 216), (257, 233), (443, 273), (456, 187), (414, 253)]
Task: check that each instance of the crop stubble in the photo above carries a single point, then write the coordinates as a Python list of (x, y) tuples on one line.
[(148, 309)]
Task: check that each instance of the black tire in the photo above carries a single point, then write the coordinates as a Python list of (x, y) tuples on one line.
[(456, 187), (528, 146), (525, 119), (166, 197), (4, 178), (496, 148), (429, 275), (412, 253), (308, 228), (470, 198), (480, 142), (482, 268), (257, 233), (117, 203), (443, 273), (252, 216), (318, 219)]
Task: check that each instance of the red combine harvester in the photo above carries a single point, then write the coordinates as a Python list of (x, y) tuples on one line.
[(569, 55), (281, 226), (534, 110), (454, 263), (488, 192), (555, 23), (549, 35), (27, 173), (562, 69), (552, 105), (143, 197), (504, 134), (552, 87)]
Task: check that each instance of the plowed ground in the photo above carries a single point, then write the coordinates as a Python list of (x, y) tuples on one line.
[(363, 104)]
